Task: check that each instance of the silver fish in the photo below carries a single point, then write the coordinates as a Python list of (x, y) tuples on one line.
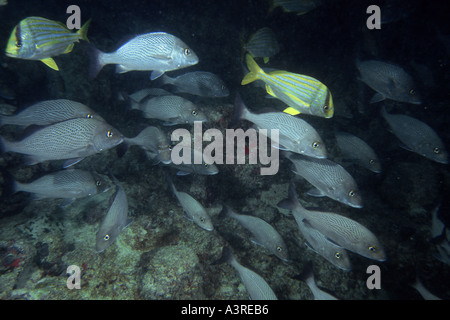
[(265, 235), (65, 184), (72, 139), (192, 208), (49, 112), (329, 178), (308, 277), (338, 229), (199, 83), (440, 237), (263, 44), (256, 286), (317, 242), (295, 134), (115, 221), (356, 149), (154, 142), (389, 81), (207, 167), (417, 136), (171, 109), (157, 51)]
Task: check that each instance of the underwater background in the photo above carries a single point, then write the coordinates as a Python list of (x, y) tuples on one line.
[(161, 254)]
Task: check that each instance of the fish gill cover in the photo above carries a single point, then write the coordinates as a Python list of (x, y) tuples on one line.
[(162, 254)]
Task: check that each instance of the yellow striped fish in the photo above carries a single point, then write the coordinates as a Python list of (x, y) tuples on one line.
[(263, 44), (301, 93), (36, 38)]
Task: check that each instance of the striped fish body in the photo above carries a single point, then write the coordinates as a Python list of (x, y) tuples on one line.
[(154, 141), (36, 38), (341, 230), (200, 83), (303, 94), (330, 179), (358, 150), (171, 109), (70, 139), (257, 287), (417, 136), (263, 44), (114, 222), (295, 134), (48, 112), (389, 80), (265, 235), (67, 184), (345, 232), (158, 51), (193, 209), (335, 254)]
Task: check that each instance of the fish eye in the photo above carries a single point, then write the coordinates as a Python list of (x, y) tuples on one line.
[(437, 150), (18, 45), (89, 116), (98, 183), (187, 51), (412, 92), (326, 107), (315, 145), (371, 161), (106, 237), (206, 165), (202, 219), (109, 133), (372, 248), (194, 112), (337, 255), (279, 249), (351, 193)]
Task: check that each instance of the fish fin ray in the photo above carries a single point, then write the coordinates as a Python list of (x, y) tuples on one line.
[(50, 63)]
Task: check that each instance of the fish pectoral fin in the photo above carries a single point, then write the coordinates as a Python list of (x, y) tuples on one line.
[(255, 241), (121, 69), (314, 192), (71, 162), (188, 217), (266, 59), (66, 202), (170, 123), (182, 173), (129, 221), (50, 63), (334, 243), (377, 98), (156, 74)]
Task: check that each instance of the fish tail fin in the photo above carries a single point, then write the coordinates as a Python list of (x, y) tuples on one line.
[(10, 185), (83, 30), (291, 202), (95, 63), (226, 211), (4, 145), (227, 256), (254, 69), (239, 110), (306, 274)]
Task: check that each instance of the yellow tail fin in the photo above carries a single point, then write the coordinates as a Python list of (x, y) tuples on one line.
[(254, 70), (83, 31)]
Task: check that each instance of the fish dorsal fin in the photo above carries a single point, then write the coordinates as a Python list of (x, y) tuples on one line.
[(51, 63)]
